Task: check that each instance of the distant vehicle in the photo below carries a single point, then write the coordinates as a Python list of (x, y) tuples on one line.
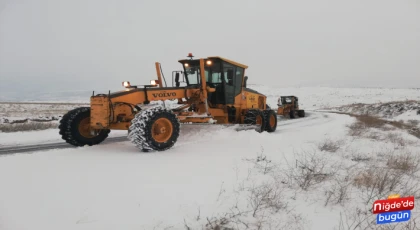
[(289, 106)]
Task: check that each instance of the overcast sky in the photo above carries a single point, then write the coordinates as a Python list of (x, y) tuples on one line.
[(96, 44)]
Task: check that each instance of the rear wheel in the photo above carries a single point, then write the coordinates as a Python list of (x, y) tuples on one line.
[(271, 120), (255, 117), (301, 113), (75, 128), (154, 129)]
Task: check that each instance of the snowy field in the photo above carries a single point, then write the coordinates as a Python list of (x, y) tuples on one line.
[(310, 98), (319, 172)]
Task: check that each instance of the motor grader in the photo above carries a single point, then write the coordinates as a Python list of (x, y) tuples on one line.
[(289, 106), (214, 91)]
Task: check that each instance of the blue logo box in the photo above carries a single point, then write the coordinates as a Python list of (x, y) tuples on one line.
[(393, 217)]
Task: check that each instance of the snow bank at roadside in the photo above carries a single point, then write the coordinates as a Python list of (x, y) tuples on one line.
[(311, 98), (406, 111)]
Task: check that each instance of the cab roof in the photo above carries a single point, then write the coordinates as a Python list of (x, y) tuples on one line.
[(220, 58)]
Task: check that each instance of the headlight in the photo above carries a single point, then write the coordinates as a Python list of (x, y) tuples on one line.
[(126, 84), (154, 82)]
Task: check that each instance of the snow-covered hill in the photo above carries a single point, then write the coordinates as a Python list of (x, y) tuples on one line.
[(310, 98)]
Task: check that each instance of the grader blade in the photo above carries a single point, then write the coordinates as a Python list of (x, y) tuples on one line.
[(236, 127), (247, 127)]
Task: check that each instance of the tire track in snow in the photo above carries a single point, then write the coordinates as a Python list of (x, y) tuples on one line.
[(314, 119), (49, 146)]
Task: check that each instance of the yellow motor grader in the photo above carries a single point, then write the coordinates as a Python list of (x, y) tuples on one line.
[(289, 106), (214, 91)]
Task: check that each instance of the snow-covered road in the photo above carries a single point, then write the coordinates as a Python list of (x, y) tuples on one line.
[(114, 186)]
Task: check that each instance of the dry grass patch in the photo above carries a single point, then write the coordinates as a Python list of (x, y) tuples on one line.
[(255, 204), (374, 136), (370, 121), (377, 182), (356, 129), (359, 157), (263, 163), (407, 163), (339, 191), (415, 132), (19, 127), (399, 124), (396, 139), (413, 122), (310, 168), (365, 122), (330, 145), (375, 122), (395, 178)]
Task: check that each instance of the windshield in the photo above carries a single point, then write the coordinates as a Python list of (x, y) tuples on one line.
[(286, 100), (213, 74), (192, 73)]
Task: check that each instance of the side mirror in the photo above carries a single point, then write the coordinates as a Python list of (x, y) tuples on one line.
[(177, 79), (245, 80)]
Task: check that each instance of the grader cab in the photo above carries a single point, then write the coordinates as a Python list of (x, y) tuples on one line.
[(289, 106), (214, 91)]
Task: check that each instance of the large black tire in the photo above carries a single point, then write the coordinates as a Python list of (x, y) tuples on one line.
[(270, 120), (70, 132), (292, 114), (255, 117), (147, 125), (301, 113)]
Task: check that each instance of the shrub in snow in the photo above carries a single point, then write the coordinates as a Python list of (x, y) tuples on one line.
[(329, 146)]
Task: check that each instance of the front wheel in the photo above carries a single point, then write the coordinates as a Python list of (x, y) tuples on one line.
[(154, 129), (75, 128), (255, 117), (292, 114)]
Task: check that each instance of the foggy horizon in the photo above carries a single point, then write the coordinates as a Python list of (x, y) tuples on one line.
[(48, 46)]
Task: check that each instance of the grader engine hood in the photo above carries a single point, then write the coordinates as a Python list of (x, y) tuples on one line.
[(107, 109), (254, 99), (145, 95), (154, 93)]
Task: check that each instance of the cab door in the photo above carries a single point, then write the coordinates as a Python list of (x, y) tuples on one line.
[(232, 82)]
